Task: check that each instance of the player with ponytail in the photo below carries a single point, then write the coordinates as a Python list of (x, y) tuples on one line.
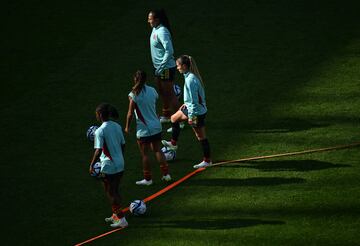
[(162, 55), (193, 110), (142, 103)]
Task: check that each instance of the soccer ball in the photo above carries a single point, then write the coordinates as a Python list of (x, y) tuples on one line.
[(137, 207), (177, 90), (90, 133), (96, 171), (170, 155)]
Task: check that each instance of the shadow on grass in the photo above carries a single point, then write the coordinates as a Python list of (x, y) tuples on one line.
[(287, 125), (288, 165), (260, 181), (276, 126), (214, 224)]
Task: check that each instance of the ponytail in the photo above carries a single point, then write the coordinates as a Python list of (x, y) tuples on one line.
[(191, 64), (139, 80), (194, 69)]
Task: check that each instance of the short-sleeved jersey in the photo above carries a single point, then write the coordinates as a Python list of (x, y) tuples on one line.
[(147, 121), (109, 137), (194, 95), (161, 47)]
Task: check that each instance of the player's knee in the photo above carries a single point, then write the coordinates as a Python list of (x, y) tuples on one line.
[(200, 137), (173, 118), (145, 157)]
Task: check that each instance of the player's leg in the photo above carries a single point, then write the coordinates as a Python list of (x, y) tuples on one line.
[(114, 198), (155, 147), (176, 107), (199, 130), (165, 83), (144, 147), (169, 95), (106, 185), (200, 133), (114, 183), (166, 112), (169, 90), (179, 116)]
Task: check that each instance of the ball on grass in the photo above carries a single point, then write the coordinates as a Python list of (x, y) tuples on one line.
[(137, 207)]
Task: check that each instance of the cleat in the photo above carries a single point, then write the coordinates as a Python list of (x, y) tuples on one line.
[(111, 219), (169, 145), (203, 164), (182, 125), (164, 119), (166, 178), (144, 182), (120, 223)]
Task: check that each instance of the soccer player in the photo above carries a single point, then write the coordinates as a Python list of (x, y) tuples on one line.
[(193, 110), (162, 55), (109, 145), (142, 103)]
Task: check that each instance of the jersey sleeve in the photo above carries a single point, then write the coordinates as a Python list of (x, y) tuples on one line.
[(98, 139), (164, 38), (121, 136), (132, 96)]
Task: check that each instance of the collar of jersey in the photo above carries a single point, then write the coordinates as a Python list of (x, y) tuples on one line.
[(157, 27)]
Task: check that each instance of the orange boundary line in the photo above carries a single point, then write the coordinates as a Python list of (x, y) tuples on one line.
[(167, 188), (100, 236), (173, 185), (288, 154), (218, 164)]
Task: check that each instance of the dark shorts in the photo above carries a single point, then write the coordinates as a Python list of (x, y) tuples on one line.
[(168, 74), (111, 177), (200, 119), (150, 139)]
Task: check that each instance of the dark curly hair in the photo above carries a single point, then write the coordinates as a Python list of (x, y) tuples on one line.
[(162, 17), (107, 111)]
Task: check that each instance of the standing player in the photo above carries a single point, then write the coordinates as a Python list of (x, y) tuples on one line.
[(142, 102), (193, 110), (162, 55), (109, 145)]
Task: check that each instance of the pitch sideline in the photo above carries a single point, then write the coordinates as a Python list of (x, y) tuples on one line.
[(176, 183)]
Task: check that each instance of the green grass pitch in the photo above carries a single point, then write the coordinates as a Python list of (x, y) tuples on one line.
[(280, 76)]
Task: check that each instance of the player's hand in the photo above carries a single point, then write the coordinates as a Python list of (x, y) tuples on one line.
[(91, 168), (182, 107), (157, 72), (127, 130), (192, 121)]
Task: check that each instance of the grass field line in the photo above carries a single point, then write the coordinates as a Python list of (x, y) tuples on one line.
[(176, 183), (338, 147), (100, 236), (149, 198)]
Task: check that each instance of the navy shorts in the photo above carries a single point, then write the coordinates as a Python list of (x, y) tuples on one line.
[(111, 177), (167, 74), (150, 139), (200, 119)]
